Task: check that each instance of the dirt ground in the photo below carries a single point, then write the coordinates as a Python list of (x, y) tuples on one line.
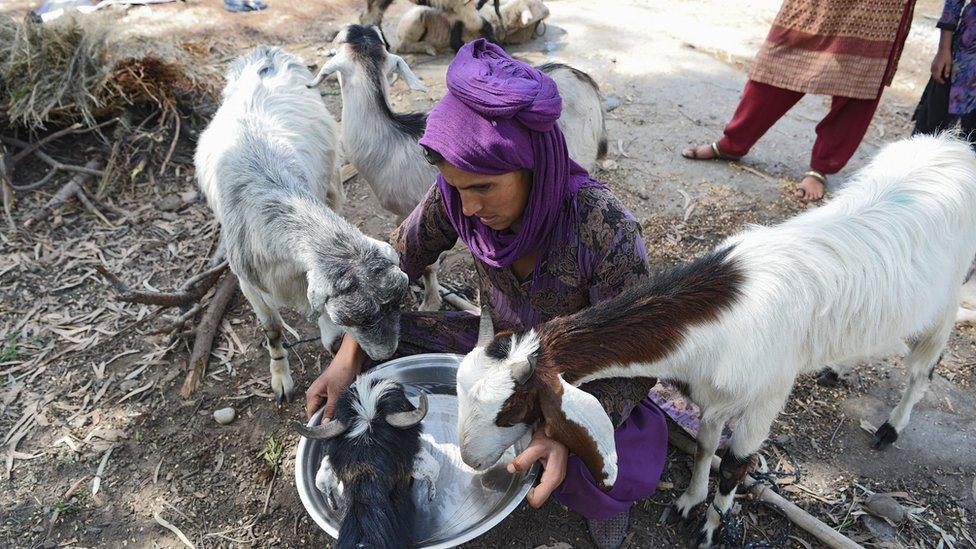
[(90, 397)]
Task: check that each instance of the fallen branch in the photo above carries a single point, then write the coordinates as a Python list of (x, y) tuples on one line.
[(193, 289), (457, 301), (56, 164), (70, 190), (205, 332), (830, 537), (6, 186)]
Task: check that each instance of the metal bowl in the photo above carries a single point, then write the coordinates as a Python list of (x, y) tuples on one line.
[(467, 503)]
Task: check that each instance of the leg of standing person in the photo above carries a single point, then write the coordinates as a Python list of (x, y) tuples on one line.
[(932, 114), (760, 107), (838, 136)]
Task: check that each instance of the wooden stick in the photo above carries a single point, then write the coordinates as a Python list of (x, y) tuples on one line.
[(205, 332), (830, 537), (458, 301), (51, 161), (165, 299), (68, 191), (74, 128), (6, 183)]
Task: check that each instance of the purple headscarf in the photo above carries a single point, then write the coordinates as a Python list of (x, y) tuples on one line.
[(499, 115)]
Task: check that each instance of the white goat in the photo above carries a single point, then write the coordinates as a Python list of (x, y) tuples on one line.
[(879, 263), (428, 30), (267, 165)]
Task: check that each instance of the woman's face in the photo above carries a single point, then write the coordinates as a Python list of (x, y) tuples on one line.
[(497, 200)]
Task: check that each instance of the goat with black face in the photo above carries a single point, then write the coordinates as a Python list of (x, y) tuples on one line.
[(370, 446)]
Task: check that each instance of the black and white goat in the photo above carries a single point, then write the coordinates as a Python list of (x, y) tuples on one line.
[(462, 17), (427, 30), (267, 165), (880, 262), (371, 445)]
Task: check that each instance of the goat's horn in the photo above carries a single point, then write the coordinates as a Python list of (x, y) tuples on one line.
[(327, 430), (326, 70), (486, 331), (404, 420)]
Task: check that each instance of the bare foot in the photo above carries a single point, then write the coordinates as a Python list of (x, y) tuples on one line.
[(810, 189)]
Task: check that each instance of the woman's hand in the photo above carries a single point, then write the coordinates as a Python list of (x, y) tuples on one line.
[(942, 66), (553, 456), (338, 375)]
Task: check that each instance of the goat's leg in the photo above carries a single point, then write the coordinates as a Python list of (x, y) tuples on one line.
[(329, 331), (709, 434), (750, 432), (925, 353), (457, 29), (432, 296), (336, 194), (281, 382)]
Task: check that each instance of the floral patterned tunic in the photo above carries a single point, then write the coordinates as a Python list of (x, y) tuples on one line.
[(604, 255), (960, 17)]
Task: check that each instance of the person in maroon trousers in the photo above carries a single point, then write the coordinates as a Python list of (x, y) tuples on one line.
[(847, 49)]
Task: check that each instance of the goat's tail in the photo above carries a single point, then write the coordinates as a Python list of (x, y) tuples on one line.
[(375, 518)]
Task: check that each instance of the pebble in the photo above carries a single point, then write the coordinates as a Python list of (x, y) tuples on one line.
[(169, 203), (189, 196), (224, 416), (884, 506)]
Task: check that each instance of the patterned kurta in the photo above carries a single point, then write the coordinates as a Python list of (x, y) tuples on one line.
[(604, 255), (960, 17), (847, 48)]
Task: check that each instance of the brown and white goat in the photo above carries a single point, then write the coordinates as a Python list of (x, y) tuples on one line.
[(880, 263)]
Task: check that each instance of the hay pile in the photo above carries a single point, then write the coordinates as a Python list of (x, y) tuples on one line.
[(72, 70)]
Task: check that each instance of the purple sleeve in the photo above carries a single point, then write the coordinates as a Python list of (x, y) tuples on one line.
[(423, 235), (612, 240), (950, 14)]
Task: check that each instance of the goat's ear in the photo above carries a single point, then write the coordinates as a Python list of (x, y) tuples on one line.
[(576, 418), (400, 66)]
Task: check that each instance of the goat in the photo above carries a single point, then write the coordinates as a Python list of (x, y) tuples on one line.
[(464, 22), (427, 30), (371, 445), (880, 262), (267, 166)]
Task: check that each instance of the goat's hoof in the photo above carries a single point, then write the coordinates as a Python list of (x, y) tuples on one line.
[(885, 436), (828, 378), (703, 539)]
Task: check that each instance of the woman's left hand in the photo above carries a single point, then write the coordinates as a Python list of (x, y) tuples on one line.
[(553, 456)]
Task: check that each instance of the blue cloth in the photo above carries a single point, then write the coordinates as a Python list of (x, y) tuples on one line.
[(244, 5)]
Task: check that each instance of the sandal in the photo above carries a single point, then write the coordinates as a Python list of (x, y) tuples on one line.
[(717, 154), (819, 176)]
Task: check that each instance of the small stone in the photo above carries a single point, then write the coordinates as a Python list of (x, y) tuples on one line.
[(882, 531), (189, 196), (611, 102), (885, 506), (224, 416), (169, 203)]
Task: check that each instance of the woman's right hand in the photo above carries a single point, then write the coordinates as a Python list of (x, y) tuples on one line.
[(338, 375), (942, 65)]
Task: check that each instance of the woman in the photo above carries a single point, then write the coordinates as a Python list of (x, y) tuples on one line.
[(951, 92), (847, 49), (547, 240)]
